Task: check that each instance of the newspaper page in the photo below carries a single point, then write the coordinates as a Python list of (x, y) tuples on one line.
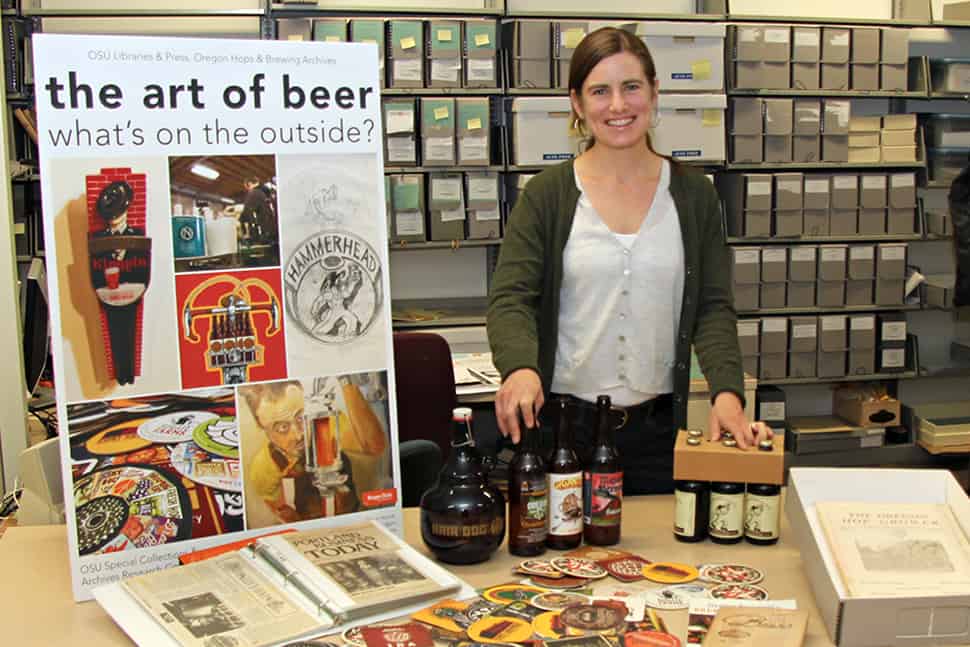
[(897, 550), (221, 601)]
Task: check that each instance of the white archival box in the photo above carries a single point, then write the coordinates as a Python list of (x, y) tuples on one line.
[(688, 56), (875, 622), (540, 131), (691, 127)]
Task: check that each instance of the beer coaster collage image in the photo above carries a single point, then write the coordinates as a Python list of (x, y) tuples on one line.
[(225, 340)]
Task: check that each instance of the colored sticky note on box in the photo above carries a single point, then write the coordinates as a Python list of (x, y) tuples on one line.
[(441, 113), (701, 70), (408, 43)]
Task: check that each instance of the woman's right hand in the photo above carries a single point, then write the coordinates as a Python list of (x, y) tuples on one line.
[(521, 390)]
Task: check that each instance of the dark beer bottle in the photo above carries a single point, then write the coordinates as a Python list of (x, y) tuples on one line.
[(691, 508), (564, 483), (602, 483), (726, 522), (528, 500), (762, 513)]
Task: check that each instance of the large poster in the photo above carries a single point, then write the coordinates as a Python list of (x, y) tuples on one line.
[(218, 281)]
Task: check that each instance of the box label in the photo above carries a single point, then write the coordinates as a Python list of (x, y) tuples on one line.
[(893, 357), (892, 253), (836, 254), (483, 215), (803, 254), (749, 34), (480, 69), (833, 323), (745, 256), (862, 253), (446, 189), (408, 69), (452, 215), (747, 328), (816, 186), (791, 186), (845, 181), (806, 38), (445, 70), (803, 331), (759, 188), (773, 255), (472, 148), (774, 325), (777, 35), (482, 188), (894, 331), (401, 149), (771, 411), (399, 121), (439, 149), (409, 223), (863, 323), (902, 180), (873, 181)]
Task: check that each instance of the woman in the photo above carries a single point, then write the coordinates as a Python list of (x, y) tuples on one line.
[(612, 266)]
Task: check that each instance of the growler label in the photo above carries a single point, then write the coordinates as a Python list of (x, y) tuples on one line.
[(565, 503), (761, 516), (532, 512), (602, 498), (685, 504), (469, 530), (727, 515)]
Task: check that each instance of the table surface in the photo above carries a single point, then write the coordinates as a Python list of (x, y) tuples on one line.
[(38, 609)]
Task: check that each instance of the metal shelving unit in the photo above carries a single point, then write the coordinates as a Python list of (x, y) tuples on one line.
[(449, 244), (823, 166), (765, 312), (873, 377), (426, 92), (444, 169), (879, 238)]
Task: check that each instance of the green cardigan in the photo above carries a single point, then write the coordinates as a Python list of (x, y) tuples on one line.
[(523, 312)]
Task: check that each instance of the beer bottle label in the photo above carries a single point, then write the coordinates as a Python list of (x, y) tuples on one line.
[(565, 503), (685, 508), (762, 516), (727, 515), (602, 498), (532, 512)]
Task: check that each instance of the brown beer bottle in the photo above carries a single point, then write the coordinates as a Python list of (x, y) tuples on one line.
[(528, 500), (602, 483), (564, 482)]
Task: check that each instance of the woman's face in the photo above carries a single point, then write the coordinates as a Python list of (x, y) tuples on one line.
[(616, 102)]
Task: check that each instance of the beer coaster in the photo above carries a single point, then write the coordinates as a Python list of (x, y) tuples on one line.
[(670, 572), (738, 592), (550, 625), (447, 614), (625, 569), (631, 605), (410, 633), (354, 637), (687, 590), (219, 436), (196, 464), (479, 608), (506, 593), (564, 582), (578, 567), (439, 635), (499, 629), (731, 574), (174, 427), (538, 567), (521, 609), (117, 439), (664, 599), (597, 553), (594, 617), (649, 639), (558, 600)]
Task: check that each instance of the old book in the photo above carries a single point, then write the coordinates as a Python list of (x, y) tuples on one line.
[(757, 627), (897, 550)]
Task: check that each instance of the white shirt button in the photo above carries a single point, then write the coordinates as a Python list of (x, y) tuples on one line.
[(622, 316), (626, 272), (626, 252)]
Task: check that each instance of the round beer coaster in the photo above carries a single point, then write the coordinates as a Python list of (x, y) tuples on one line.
[(731, 574), (738, 592), (550, 625), (500, 629), (195, 464), (564, 582), (118, 439), (649, 639), (670, 572), (538, 567), (174, 427), (578, 567), (508, 593), (353, 636), (218, 436), (664, 599), (556, 600), (593, 617)]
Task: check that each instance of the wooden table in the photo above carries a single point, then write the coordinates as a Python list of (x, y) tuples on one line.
[(37, 607)]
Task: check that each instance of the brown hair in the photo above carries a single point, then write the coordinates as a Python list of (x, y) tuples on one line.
[(595, 47)]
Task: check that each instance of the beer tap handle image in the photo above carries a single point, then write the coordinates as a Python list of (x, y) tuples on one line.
[(367, 435)]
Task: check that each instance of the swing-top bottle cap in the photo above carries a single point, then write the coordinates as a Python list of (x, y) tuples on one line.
[(461, 414)]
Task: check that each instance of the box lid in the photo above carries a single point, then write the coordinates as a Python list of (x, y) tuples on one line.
[(681, 101), (541, 104), (699, 30)]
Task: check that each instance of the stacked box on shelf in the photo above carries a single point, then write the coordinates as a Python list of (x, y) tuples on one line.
[(816, 201), (330, 30), (774, 276), (779, 115), (860, 275), (950, 75), (894, 55), (806, 131), (844, 205), (806, 55), (400, 132), (864, 140), (530, 46), (438, 131), (407, 209), (484, 208), (773, 364), (480, 54), (836, 49), (688, 56), (770, 403), (948, 146), (566, 37), (898, 138), (891, 338), (693, 127), (835, 130), (405, 53), (446, 205), (473, 131), (776, 61), (747, 130), (747, 277), (830, 291), (865, 58), (938, 290), (832, 346), (294, 29), (761, 56), (802, 274), (749, 340), (788, 205), (803, 346), (540, 131), (901, 216), (443, 64), (371, 31), (872, 204), (890, 273), (862, 345)]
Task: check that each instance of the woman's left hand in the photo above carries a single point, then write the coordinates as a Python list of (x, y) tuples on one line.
[(727, 415)]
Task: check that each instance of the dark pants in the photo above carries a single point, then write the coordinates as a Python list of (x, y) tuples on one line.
[(645, 442)]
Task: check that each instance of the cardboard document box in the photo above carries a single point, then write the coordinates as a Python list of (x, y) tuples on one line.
[(891, 261), (898, 154), (806, 148), (400, 132), (895, 46), (862, 331), (405, 53), (772, 295), (902, 190), (832, 262), (816, 192), (778, 116), (830, 294), (803, 347), (806, 76), (835, 148), (438, 131), (747, 264), (481, 54), (747, 149), (892, 77), (774, 264), (473, 130), (889, 138), (815, 222), (788, 224), (566, 37), (836, 116), (774, 335), (688, 56), (757, 191), (749, 337), (901, 221), (532, 54), (749, 41), (862, 262), (747, 296), (802, 263), (845, 192), (891, 327), (873, 191), (834, 76), (777, 43), (773, 366), (843, 222), (747, 75), (540, 130), (446, 206), (891, 358), (807, 117), (801, 294), (294, 29), (891, 621), (859, 292), (407, 209), (775, 75), (756, 224), (371, 31), (872, 222), (484, 212), (865, 76), (330, 30), (836, 44), (788, 191), (693, 127), (806, 44), (865, 45), (778, 148), (864, 154), (443, 63), (747, 116), (831, 345)]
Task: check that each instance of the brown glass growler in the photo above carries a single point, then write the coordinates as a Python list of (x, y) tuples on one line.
[(528, 498), (602, 483), (564, 482), (462, 516)]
